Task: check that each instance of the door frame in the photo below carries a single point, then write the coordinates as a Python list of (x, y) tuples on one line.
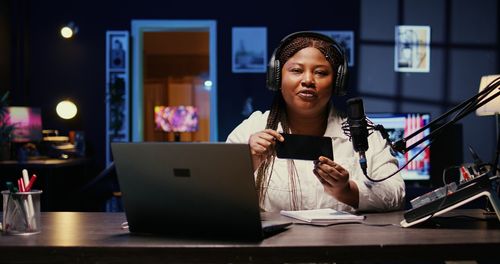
[(138, 28)]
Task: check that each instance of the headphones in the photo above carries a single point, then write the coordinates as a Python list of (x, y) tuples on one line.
[(273, 80)]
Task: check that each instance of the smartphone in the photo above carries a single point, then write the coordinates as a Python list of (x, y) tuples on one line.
[(304, 147)]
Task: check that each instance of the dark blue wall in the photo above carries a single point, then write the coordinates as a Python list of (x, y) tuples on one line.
[(58, 68), (45, 68)]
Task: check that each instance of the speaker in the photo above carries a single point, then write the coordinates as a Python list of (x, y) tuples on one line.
[(273, 80), (451, 144)]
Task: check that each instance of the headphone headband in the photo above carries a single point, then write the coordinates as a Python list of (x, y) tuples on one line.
[(274, 67)]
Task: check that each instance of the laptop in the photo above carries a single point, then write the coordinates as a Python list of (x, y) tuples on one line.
[(191, 189)]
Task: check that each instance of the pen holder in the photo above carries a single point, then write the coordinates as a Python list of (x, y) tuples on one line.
[(21, 213)]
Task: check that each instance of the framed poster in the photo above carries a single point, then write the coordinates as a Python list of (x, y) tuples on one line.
[(412, 50), (117, 89), (249, 49), (345, 39)]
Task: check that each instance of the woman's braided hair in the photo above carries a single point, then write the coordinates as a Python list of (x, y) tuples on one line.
[(278, 115)]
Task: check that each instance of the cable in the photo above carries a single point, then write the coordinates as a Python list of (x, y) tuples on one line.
[(445, 189), (444, 173), (399, 169), (371, 129), (344, 223)]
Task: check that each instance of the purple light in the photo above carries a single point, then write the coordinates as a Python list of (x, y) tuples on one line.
[(176, 118), (27, 121)]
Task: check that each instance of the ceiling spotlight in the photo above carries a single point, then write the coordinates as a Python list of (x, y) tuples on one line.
[(69, 30)]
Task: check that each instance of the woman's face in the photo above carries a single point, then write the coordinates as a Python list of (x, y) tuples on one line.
[(306, 84)]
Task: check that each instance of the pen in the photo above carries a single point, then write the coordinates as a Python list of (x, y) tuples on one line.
[(26, 178), (31, 210), (11, 187), (30, 184), (20, 184)]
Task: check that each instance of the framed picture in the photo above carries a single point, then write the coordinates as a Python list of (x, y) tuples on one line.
[(117, 48), (249, 49), (412, 51), (117, 89), (346, 40)]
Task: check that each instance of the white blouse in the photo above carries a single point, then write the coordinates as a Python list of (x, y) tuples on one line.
[(373, 196)]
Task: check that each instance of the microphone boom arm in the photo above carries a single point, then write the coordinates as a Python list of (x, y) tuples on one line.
[(400, 145)]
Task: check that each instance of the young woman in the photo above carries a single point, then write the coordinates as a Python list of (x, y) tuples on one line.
[(306, 70)]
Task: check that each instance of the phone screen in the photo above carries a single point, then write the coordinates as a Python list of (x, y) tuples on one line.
[(304, 147)]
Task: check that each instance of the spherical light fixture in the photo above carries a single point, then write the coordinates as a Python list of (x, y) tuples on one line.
[(69, 30), (66, 109)]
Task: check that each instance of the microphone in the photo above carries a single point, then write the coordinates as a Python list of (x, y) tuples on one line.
[(358, 131)]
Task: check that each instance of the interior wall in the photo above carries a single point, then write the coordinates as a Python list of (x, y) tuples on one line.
[(5, 47), (464, 47), (156, 66)]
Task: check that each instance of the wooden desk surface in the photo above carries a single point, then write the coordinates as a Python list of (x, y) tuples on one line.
[(97, 237), (44, 163)]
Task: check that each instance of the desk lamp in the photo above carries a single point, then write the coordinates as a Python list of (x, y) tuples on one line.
[(68, 110), (492, 107)]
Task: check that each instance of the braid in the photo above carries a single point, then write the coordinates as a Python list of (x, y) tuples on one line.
[(275, 113), (263, 178), (278, 115)]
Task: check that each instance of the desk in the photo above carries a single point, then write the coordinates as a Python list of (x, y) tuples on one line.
[(72, 172), (43, 163), (97, 237)]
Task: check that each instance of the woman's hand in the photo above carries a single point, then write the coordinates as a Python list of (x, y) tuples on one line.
[(262, 145), (335, 181)]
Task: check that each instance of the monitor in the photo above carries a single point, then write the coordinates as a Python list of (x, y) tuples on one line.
[(176, 118), (399, 126), (27, 122)]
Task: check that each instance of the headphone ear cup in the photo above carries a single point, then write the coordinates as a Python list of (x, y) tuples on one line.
[(270, 76), (273, 75), (277, 75), (339, 80)]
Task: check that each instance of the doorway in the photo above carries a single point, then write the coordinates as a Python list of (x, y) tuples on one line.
[(174, 65)]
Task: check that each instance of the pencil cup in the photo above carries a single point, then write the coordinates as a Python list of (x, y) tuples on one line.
[(21, 213)]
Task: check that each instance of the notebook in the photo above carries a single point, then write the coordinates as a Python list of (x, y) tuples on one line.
[(325, 215), (190, 189)]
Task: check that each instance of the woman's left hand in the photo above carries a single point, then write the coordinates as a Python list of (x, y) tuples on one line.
[(335, 178)]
